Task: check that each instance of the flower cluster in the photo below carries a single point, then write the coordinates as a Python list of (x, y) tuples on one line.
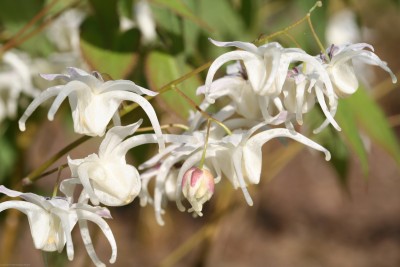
[(266, 87)]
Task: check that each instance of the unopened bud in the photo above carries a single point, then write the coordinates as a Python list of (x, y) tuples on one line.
[(197, 187)]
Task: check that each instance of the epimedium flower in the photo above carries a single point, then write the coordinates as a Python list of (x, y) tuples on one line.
[(266, 68), (52, 220), (340, 66), (94, 102), (106, 177), (236, 157)]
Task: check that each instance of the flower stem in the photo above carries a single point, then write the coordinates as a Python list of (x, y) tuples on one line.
[(55, 190), (36, 174), (168, 86), (264, 39), (203, 156), (166, 126)]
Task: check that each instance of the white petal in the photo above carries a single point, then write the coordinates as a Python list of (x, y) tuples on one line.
[(148, 108), (253, 155), (237, 164), (83, 175), (115, 136), (87, 241), (157, 158), (126, 85), (67, 89), (67, 187), (321, 101), (85, 215), (250, 47), (253, 66), (159, 189), (50, 92)]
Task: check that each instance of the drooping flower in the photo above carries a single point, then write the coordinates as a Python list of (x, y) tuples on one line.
[(94, 102), (106, 177), (341, 69), (51, 221), (197, 188), (236, 157), (266, 67)]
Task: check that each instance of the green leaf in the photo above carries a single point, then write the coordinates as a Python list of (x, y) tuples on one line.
[(372, 119), (181, 9), (116, 56), (223, 18), (347, 122), (162, 68)]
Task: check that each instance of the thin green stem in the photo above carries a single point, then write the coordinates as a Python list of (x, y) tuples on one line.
[(288, 35), (264, 39), (203, 156), (316, 37), (55, 190), (36, 174), (166, 126), (49, 172), (168, 86)]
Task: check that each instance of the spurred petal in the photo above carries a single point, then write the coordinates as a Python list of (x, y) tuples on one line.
[(250, 47), (85, 215), (115, 136), (69, 88), (126, 85), (237, 164), (50, 92), (148, 108), (253, 155)]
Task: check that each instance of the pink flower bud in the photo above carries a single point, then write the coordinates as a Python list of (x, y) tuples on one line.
[(197, 187)]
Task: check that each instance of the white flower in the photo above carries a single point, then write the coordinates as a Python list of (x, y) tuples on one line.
[(237, 157), (93, 101), (341, 69), (266, 68), (297, 95), (106, 177), (52, 219), (267, 65), (15, 78), (197, 188)]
